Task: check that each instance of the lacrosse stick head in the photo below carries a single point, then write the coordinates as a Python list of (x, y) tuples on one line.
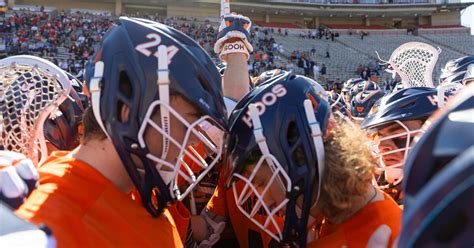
[(414, 63), (31, 90)]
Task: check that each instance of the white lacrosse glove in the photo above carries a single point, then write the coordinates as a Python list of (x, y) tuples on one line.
[(18, 177), (216, 225), (233, 26)]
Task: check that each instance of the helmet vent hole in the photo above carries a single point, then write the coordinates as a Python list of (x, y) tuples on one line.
[(125, 86), (292, 135), (204, 83), (408, 105), (125, 90)]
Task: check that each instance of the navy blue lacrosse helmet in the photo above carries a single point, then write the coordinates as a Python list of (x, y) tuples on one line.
[(405, 104), (439, 181), (455, 69), (267, 76), (362, 86), (362, 102), (140, 64), (277, 129), (351, 82), (63, 132), (416, 103)]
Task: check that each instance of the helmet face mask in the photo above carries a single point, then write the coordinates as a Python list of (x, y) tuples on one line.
[(191, 152), (260, 193)]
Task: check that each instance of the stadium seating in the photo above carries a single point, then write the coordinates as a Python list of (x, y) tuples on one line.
[(355, 27), (458, 42), (349, 51)]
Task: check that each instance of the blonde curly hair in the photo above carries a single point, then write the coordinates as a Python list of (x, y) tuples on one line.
[(349, 167)]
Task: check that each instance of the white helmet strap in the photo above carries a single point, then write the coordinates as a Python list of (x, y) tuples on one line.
[(163, 82), (95, 93)]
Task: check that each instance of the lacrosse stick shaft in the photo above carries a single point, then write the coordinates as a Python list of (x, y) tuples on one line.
[(441, 92), (192, 203), (225, 7)]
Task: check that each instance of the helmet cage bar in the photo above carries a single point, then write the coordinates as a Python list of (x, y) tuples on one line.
[(366, 97), (169, 171), (339, 97)]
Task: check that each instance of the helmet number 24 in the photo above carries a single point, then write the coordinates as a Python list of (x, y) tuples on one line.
[(155, 40)]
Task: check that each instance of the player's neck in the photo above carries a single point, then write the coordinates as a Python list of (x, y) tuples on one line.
[(371, 195), (102, 156)]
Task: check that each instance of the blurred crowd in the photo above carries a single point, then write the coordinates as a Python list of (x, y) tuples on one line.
[(67, 39), (70, 39)]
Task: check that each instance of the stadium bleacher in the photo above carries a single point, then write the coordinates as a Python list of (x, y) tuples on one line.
[(349, 51)]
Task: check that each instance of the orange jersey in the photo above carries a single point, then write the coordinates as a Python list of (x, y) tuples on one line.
[(178, 211), (84, 209), (181, 217), (246, 232), (356, 231)]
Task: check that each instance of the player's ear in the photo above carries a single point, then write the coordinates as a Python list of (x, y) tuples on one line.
[(124, 113)]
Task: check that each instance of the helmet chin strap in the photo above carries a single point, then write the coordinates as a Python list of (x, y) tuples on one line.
[(163, 82), (95, 93), (258, 132)]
